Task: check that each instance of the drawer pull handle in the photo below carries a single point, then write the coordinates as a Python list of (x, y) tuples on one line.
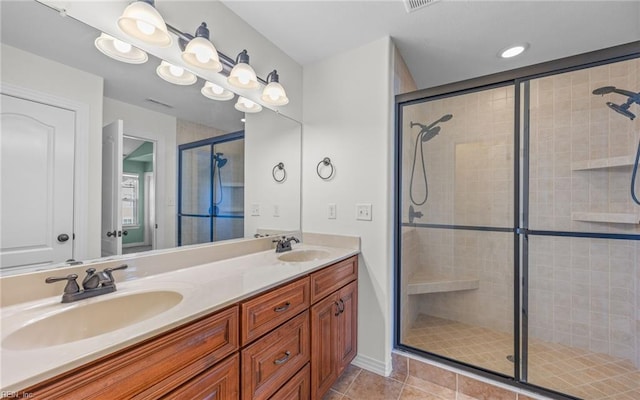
[(337, 308), (283, 359), (282, 308), (341, 306)]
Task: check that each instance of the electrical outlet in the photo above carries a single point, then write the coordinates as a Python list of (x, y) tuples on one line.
[(255, 210), (363, 211), (276, 210), (331, 211)]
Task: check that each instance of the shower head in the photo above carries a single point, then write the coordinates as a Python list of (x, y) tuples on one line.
[(220, 161), (622, 109), (604, 90), (430, 133)]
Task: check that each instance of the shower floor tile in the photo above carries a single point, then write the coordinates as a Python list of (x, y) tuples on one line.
[(581, 373)]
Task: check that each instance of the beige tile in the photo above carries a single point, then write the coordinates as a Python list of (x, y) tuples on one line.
[(483, 391), (346, 379), (431, 388), (432, 373), (412, 393), (331, 395), (400, 366), (369, 386)]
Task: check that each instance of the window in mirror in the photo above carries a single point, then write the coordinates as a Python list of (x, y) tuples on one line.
[(130, 185)]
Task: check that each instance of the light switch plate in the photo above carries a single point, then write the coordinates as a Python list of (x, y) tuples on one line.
[(255, 210), (276, 210), (331, 211), (363, 212)]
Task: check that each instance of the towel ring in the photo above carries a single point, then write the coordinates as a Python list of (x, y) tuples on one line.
[(279, 167), (327, 163)]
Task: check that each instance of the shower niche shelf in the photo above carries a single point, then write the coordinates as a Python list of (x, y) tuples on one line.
[(615, 218), (601, 163), (426, 283)]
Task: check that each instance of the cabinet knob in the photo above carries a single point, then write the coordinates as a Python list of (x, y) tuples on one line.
[(63, 237)]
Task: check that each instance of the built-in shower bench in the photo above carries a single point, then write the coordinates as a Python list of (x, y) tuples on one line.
[(422, 283)]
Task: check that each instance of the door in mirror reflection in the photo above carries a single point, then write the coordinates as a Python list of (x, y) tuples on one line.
[(211, 189)]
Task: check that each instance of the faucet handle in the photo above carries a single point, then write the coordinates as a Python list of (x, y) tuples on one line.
[(72, 285), (123, 266), (107, 271)]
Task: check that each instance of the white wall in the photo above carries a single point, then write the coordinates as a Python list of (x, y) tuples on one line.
[(29, 71), (348, 116), (150, 125), (270, 139)]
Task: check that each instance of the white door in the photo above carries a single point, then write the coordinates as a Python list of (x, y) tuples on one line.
[(36, 155), (112, 140)]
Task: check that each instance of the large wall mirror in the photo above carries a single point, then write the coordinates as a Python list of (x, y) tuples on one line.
[(148, 165)]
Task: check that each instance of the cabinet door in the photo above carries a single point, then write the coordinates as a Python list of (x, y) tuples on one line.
[(220, 382), (347, 325), (324, 345)]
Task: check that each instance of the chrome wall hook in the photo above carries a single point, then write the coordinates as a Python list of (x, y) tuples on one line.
[(279, 167), (327, 163)]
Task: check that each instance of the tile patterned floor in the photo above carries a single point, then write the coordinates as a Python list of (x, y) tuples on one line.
[(581, 373)]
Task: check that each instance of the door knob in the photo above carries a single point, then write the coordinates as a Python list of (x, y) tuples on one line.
[(109, 234), (63, 237)]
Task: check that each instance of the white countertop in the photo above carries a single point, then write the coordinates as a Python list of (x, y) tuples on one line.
[(205, 288)]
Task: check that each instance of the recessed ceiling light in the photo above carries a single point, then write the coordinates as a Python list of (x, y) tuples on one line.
[(513, 51)]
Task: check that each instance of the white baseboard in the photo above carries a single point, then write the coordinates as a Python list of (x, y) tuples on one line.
[(372, 365)]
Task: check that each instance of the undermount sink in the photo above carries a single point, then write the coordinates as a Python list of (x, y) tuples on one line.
[(304, 255), (91, 320)]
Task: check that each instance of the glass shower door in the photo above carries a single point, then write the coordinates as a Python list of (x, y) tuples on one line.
[(211, 189)]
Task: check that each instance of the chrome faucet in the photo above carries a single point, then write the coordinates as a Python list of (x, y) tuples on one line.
[(284, 244), (94, 284)]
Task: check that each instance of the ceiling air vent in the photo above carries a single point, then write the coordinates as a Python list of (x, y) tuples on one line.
[(158, 102), (413, 5)]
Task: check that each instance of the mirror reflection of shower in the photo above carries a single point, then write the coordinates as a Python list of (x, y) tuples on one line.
[(218, 163), (623, 109), (427, 132)]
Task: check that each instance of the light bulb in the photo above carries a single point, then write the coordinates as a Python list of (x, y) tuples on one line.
[(243, 77), (248, 103), (217, 89), (176, 71), (121, 46), (145, 27)]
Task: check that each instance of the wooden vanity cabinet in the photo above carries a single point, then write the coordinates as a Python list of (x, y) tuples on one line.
[(334, 324), (287, 343), (150, 369)]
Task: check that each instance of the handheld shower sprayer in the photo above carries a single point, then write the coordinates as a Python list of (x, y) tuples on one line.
[(623, 109), (427, 132)]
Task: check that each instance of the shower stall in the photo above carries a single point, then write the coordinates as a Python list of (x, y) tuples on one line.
[(211, 189), (517, 230)]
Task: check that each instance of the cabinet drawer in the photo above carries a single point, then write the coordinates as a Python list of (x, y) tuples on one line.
[(271, 361), (265, 312), (221, 382), (298, 387), (332, 278), (152, 368)]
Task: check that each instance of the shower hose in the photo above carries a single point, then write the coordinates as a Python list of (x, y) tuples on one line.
[(219, 186), (634, 195), (424, 173)]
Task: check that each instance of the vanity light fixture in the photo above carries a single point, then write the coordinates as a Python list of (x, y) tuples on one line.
[(274, 94), (513, 51), (119, 50), (175, 74), (216, 92), (200, 52), (242, 75), (142, 21), (247, 106)]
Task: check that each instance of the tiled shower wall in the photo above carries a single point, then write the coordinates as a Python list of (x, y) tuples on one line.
[(584, 292), (469, 167)]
